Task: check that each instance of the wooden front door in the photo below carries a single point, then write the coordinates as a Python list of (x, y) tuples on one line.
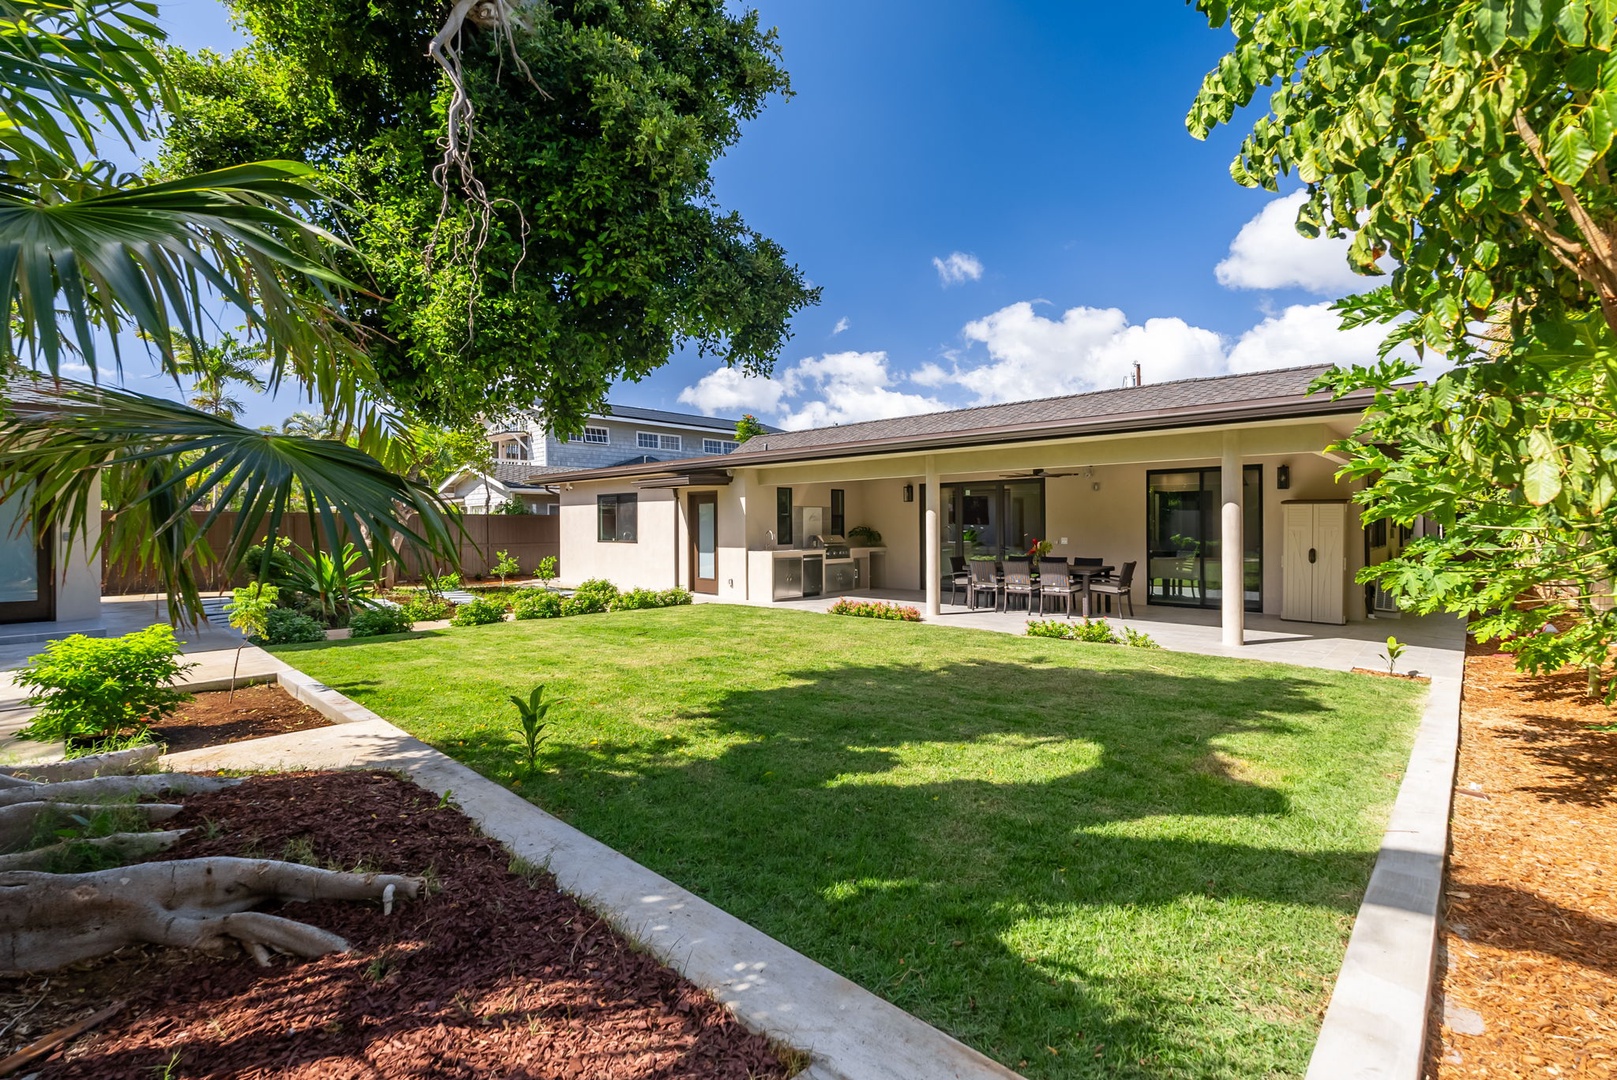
[(27, 584), (704, 530)]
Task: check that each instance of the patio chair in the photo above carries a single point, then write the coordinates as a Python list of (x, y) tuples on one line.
[(958, 578), (1019, 582), (1055, 579), (1119, 587), (982, 579)]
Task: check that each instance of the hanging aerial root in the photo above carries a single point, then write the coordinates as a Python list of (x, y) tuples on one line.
[(111, 788)]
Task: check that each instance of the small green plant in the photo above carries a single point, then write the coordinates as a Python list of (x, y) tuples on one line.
[(1139, 639), (864, 536), (287, 627), (1395, 649), (373, 622), (875, 609), (506, 566), (249, 613), (441, 583), (547, 570), (478, 612), (675, 597), (531, 718), (426, 608), (537, 604), (1096, 631), (95, 689), (335, 583)]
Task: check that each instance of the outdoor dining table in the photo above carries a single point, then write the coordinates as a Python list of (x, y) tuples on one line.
[(1088, 573)]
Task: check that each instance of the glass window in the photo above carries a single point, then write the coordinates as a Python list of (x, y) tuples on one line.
[(718, 446), (783, 515), (839, 516), (615, 517), (19, 558), (592, 435), (671, 442), (645, 440), (1183, 528)]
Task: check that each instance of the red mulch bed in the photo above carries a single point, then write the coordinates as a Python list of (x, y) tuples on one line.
[(1529, 953), (490, 975), (214, 717)]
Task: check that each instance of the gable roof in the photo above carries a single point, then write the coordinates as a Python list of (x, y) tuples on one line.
[(661, 416), (1198, 402)]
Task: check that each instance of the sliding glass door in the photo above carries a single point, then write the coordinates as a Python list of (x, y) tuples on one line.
[(991, 518), (1184, 547), (26, 593)]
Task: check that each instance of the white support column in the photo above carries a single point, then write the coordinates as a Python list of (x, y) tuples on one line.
[(1232, 543), (934, 587)]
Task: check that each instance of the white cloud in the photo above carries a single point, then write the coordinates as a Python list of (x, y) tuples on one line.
[(958, 268), (845, 388), (727, 390), (1304, 334), (1086, 349), (842, 324), (1269, 253), (930, 374)]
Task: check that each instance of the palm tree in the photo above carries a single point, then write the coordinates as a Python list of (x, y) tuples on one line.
[(214, 367), (85, 247), (311, 425)]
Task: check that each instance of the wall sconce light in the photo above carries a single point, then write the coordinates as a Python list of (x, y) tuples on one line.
[(1282, 477), (1095, 486), (909, 492)]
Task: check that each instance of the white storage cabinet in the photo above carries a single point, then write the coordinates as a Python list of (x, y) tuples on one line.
[(1314, 562)]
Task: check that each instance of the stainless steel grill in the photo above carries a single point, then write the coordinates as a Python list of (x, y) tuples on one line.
[(835, 547)]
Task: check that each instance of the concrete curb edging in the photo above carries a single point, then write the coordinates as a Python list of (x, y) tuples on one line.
[(849, 1033), (1375, 1027)]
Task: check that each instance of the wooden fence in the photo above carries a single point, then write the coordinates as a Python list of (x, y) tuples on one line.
[(528, 538)]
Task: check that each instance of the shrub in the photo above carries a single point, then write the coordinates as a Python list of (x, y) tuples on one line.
[(97, 688), (1097, 631), (426, 608), (537, 604), (547, 570), (506, 567), (675, 597), (373, 622), (1139, 639), (437, 583), (478, 612), (280, 562), (637, 599), (597, 587), (875, 609), (583, 604), (287, 627)]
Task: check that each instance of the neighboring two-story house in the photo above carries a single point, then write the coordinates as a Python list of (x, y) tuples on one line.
[(526, 453)]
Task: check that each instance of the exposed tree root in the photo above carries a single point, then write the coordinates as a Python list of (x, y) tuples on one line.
[(105, 788), (113, 763), (23, 823), (123, 846), (50, 920)]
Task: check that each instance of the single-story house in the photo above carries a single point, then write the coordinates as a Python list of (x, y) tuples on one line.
[(1197, 482), (477, 492)]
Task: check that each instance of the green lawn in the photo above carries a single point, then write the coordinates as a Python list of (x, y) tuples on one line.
[(1083, 860)]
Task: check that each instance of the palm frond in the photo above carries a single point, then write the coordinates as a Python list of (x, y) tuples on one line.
[(165, 461)]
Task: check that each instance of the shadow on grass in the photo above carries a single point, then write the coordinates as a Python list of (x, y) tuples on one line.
[(833, 819)]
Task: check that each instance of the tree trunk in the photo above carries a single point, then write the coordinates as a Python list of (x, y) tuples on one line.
[(104, 788)]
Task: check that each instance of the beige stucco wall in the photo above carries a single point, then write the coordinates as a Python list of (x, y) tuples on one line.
[(648, 563), (78, 580)]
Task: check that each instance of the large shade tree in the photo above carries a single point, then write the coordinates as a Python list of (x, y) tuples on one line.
[(1468, 145), (569, 238)]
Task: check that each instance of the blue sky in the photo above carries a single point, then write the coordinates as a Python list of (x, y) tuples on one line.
[(1000, 201)]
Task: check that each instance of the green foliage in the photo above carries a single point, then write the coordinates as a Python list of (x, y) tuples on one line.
[(596, 591), (441, 583), (278, 570), (1467, 141), (287, 627), (478, 612), (1097, 631), (531, 719), (865, 536), (638, 599), (442, 452), (605, 250), (513, 506), (336, 583), (875, 609), (101, 688), (537, 604), (250, 607), (547, 570), (376, 621), (1139, 639), (506, 566), (1395, 649), (747, 427), (426, 608)]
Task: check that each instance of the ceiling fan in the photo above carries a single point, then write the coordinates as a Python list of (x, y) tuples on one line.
[(1035, 474)]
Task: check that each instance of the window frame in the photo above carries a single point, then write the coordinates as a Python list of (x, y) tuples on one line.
[(585, 436), (617, 501), (839, 512), (783, 516), (725, 446)]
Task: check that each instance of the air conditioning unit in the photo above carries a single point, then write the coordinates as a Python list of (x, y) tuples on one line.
[(1384, 605)]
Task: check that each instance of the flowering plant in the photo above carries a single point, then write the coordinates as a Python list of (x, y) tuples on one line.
[(1040, 548)]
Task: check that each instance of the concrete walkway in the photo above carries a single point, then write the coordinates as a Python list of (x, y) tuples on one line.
[(850, 1033)]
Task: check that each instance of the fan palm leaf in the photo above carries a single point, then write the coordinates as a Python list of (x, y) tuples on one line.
[(172, 471)]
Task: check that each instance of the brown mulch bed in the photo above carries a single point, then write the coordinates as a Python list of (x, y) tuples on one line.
[(1529, 955), (493, 974), (213, 717)]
